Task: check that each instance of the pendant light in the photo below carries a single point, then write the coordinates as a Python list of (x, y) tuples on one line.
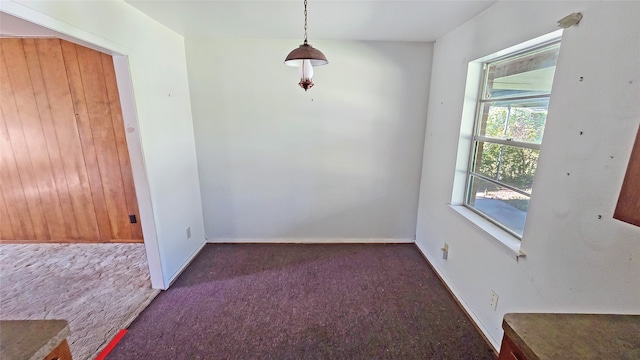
[(305, 57)]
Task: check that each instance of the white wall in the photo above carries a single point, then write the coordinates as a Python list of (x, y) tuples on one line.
[(575, 262), (341, 161), (166, 174)]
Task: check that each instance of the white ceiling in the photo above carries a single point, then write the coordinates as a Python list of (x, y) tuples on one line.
[(391, 20)]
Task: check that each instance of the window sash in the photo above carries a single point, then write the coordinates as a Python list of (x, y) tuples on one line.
[(515, 98), (477, 138), (498, 182), (507, 142)]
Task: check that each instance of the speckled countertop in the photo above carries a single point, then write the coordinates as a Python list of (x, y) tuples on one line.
[(30, 339), (575, 336)]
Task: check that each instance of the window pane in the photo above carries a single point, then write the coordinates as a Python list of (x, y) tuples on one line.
[(504, 206), (511, 165), (521, 120), (485, 161), (525, 75)]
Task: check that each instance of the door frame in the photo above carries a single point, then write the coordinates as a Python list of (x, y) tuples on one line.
[(52, 27)]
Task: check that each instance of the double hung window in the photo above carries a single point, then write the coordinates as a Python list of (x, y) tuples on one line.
[(510, 120)]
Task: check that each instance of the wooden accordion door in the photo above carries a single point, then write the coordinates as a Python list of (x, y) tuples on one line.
[(65, 173)]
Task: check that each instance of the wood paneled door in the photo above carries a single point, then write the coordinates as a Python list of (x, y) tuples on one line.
[(65, 173)]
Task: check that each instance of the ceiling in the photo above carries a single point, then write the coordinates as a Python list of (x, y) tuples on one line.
[(385, 20)]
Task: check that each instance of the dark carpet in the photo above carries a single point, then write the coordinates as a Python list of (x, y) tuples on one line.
[(292, 301)]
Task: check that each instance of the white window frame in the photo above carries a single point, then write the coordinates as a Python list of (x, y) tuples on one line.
[(474, 87)]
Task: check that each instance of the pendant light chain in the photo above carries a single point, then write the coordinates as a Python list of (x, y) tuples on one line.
[(305, 21), (305, 57)]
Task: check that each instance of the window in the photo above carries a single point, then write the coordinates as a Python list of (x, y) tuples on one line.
[(509, 125)]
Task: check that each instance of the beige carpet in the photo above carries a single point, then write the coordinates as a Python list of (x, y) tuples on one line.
[(98, 288)]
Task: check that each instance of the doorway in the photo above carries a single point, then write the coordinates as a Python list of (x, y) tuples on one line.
[(19, 27)]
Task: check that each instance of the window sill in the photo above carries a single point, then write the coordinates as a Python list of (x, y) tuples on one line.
[(509, 241)]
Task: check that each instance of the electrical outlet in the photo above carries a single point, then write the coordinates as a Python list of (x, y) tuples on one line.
[(493, 300), (445, 251), (189, 232)]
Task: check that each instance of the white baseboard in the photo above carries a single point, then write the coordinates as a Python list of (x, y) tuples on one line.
[(495, 343), (184, 266), (311, 241)]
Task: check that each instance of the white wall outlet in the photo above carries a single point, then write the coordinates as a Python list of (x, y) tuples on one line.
[(493, 300), (189, 232), (445, 251)]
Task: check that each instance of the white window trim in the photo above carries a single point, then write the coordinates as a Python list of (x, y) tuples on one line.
[(472, 90), (510, 242)]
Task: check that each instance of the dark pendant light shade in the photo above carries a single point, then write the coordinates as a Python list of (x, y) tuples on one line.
[(305, 57), (306, 52)]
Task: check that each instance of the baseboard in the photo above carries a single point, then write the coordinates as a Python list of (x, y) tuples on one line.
[(71, 241), (175, 276), (310, 241), (484, 332)]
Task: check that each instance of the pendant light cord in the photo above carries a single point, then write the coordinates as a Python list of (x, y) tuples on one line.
[(305, 22)]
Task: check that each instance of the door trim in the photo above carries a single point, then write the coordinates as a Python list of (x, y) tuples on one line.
[(129, 114)]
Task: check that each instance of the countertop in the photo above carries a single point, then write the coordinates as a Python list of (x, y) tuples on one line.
[(574, 336), (30, 339)]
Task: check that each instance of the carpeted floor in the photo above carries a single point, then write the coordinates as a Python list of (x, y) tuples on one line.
[(98, 288), (290, 301)]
